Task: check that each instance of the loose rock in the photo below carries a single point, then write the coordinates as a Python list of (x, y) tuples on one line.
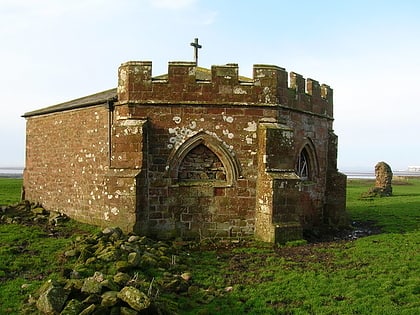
[(135, 298), (109, 298), (52, 298), (92, 285), (73, 307), (112, 275)]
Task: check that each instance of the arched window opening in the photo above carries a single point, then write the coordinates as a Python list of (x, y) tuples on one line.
[(303, 165), (203, 160), (201, 164)]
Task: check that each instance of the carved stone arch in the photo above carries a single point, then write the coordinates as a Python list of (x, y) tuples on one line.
[(228, 161), (307, 166)]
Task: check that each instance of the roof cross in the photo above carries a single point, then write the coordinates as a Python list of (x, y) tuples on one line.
[(196, 48)]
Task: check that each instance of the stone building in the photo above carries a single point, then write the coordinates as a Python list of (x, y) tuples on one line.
[(193, 153)]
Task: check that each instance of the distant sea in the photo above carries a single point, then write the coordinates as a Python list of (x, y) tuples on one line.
[(371, 175), (11, 172)]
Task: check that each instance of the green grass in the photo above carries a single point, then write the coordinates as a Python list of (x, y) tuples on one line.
[(10, 190), (27, 257), (396, 214), (372, 275), (378, 274)]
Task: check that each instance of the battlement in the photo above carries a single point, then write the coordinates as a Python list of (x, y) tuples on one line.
[(187, 83)]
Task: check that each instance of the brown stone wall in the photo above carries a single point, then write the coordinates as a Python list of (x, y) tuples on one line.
[(206, 203), (179, 204), (67, 156)]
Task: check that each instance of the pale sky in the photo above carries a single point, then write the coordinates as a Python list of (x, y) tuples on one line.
[(368, 51)]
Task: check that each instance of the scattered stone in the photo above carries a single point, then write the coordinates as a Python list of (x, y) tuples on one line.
[(109, 298), (39, 210), (122, 278), (9, 220), (71, 253), (92, 299), (74, 285), (108, 255), (135, 298), (57, 218), (88, 310), (122, 265), (133, 238), (73, 307), (114, 233), (186, 276), (229, 289), (134, 259), (52, 298), (148, 260), (92, 285), (107, 264), (107, 231), (26, 212), (112, 274)]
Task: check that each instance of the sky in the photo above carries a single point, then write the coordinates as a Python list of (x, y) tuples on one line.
[(368, 51)]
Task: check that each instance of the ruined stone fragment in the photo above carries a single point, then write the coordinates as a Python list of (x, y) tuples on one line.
[(134, 297), (52, 298), (383, 182)]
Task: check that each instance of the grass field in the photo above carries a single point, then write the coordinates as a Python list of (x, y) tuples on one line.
[(10, 190), (378, 274), (398, 213)]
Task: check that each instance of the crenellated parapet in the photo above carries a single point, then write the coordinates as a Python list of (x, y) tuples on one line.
[(187, 83)]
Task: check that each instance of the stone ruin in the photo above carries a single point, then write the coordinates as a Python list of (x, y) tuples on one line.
[(383, 182)]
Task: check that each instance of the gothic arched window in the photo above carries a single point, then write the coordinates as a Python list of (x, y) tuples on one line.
[(303, 165), (203, 160), (201, 164)]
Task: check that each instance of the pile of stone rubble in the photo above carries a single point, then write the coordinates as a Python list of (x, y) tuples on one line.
[(119, 274), (114, 273), (30, 213)]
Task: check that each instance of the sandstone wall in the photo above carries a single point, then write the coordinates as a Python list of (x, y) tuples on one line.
[(177, 204), (67, 156)]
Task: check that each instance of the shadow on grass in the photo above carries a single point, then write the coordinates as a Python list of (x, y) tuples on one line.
[(406, 195)]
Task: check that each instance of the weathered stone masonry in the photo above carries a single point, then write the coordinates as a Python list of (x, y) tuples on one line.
[(196, 152)]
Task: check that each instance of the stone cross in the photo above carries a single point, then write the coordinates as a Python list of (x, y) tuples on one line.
[(196, 48)]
